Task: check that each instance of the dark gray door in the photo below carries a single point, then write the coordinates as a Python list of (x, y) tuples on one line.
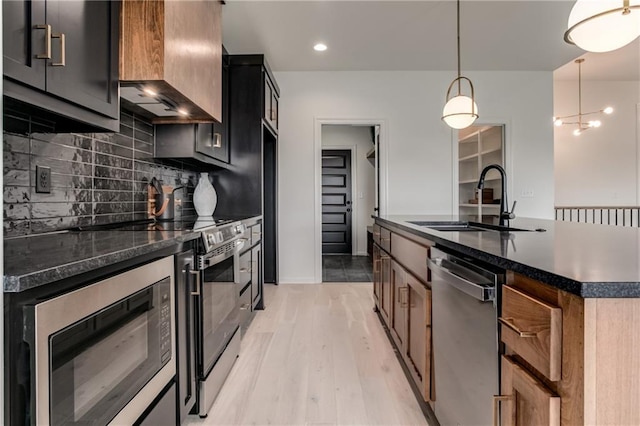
[(336, 202)]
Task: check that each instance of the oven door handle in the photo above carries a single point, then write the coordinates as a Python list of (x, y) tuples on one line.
[(198, 285)]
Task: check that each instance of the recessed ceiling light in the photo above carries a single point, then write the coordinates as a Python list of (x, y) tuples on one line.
[(183, 112), (320, 47)]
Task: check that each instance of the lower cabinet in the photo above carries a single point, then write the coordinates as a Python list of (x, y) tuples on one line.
[(382, 282), (524, 399), (256, 275), (398, 325), (418, 336)]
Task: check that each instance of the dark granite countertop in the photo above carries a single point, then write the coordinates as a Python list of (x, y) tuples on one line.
[(584, 259), (36, 260)]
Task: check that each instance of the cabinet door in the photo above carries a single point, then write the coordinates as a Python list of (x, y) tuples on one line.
[(525, 400), (220, 146), (418, 336), (377, 275), (185, 334), (274, 109), (268, 95), (386, 305), (256, 275), (83, 67), (399, 301), (24, 42)]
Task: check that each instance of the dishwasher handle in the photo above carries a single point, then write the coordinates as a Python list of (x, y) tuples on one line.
[(476, 290)]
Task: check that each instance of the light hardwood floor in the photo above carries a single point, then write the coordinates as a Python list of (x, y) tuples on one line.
[(317, 355)]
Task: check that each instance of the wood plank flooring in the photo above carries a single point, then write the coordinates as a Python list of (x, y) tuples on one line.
[(317, 355)]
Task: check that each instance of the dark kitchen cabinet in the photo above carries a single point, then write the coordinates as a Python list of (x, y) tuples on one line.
[(270, 113), (256, 276), (61, 58), (253, 145), (201, 144)]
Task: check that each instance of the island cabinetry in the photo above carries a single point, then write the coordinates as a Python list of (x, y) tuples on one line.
[(382, 282), (403, 298), (542, 370)]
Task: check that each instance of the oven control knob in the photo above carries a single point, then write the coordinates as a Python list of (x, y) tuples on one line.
[(240, 229), (211, 238), (219, 237)]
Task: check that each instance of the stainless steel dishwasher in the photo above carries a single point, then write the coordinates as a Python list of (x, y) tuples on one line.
[(465, 338)]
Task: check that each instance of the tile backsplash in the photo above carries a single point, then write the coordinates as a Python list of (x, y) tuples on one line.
[(96, 178)]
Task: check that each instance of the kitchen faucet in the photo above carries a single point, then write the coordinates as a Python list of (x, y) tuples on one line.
[(505, 214)]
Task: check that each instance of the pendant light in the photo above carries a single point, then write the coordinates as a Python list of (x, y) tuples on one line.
[(603, 25), (582, 123), (460, 111)]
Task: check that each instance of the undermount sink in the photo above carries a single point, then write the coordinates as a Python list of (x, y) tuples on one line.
[(462, 226)]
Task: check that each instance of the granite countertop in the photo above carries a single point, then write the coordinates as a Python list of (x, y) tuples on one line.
[(36, 260), (584, 259)]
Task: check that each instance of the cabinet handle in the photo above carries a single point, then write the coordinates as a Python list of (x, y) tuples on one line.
[(197, 274), (383, 257), (63, 48), (509, 323), (376, 233), (217, 137), (245, 306), (497, 399), (403, 296), (384, 239), (375, 262), (245, 270), (47, 43), (272, 115)]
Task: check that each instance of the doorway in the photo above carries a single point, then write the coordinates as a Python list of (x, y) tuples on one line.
[(348, 194), (336, 202)]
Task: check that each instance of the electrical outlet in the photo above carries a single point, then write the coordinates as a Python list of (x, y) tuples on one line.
[(43, 179), (527, 193)]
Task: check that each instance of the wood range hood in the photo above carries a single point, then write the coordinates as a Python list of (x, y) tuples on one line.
[(171, 59)]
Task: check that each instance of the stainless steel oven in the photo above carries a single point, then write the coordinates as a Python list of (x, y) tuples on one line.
[(101, 354), (217, 303)]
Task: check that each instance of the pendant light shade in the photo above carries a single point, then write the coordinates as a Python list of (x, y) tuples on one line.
[(603, 25), (460, 111)]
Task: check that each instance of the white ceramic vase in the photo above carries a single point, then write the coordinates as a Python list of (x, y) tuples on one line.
[(204, 196)]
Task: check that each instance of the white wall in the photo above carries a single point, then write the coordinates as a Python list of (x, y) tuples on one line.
[(359, 137), (599, 167), (418, 145)]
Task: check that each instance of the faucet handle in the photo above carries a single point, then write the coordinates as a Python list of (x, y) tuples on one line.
[(513, 208)]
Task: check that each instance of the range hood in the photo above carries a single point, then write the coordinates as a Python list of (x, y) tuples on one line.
[(171, 59)]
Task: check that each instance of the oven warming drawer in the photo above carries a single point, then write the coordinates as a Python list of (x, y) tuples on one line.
[(210, 387)]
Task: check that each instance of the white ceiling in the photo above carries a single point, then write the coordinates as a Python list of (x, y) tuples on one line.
[(620, 65), (418, 35), (400, 35)]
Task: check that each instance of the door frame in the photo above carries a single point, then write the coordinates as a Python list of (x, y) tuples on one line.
[(317, 150), (355, 205)]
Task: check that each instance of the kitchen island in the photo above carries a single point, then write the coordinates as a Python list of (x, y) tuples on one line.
[(566, 313)]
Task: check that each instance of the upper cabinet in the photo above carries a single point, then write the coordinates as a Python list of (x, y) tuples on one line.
[(271, 96), (61, 57), (171, 59)]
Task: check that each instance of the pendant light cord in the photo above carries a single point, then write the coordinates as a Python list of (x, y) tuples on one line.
[(579, 61), (458, 33)]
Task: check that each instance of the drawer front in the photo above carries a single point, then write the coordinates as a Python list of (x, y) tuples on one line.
[(245, 309), (385, 239), (533, 329), (382, 237), (256, 233), (411, 255), (526, 400), (244, 269)]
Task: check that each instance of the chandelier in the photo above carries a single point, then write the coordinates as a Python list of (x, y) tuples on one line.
[(460, 111), (582, 122)]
